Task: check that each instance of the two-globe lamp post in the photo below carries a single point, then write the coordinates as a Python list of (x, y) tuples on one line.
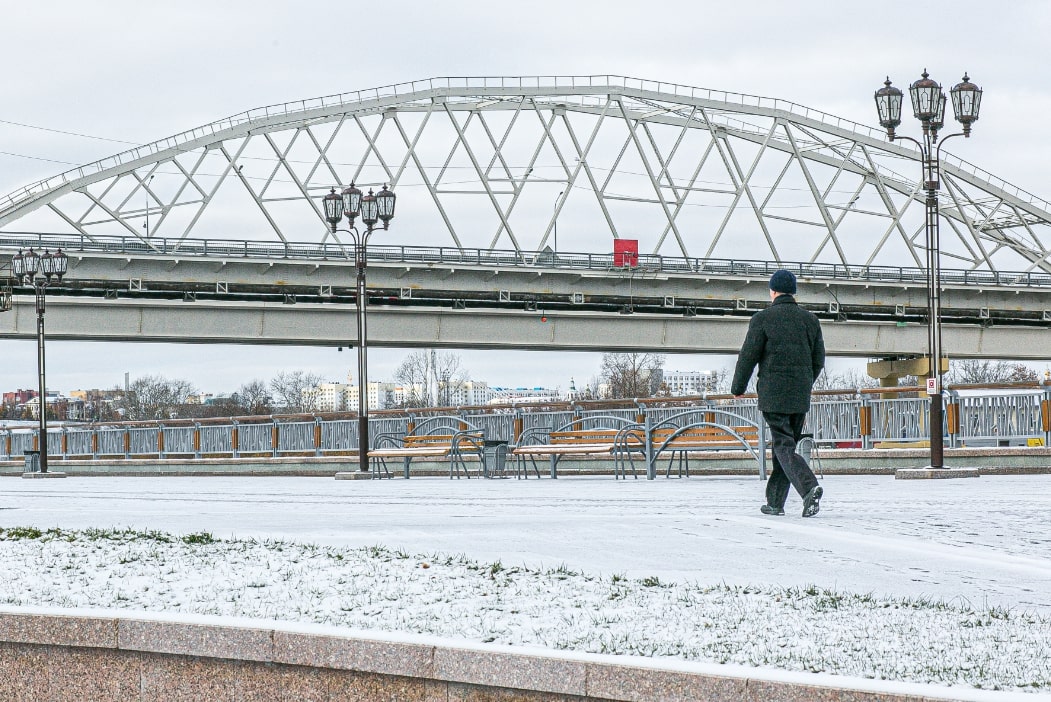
[(928, 106), (351, 203), (40, 270)]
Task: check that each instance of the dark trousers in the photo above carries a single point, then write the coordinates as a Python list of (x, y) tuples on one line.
[(789, 467)]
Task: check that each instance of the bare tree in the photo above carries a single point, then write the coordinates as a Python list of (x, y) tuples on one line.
[(591, 388), (253, 398), (412, 375), (632, 374), (979, 371), (155, 397), (431, 378), (850, 379), (99, 406), (287, 391), (721, 380)]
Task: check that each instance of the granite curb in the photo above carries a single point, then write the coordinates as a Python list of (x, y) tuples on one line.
[(162, 654)]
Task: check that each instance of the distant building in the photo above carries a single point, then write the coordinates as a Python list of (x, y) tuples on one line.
[(689, 383), (326, 397), (93, 404), (58, 407), (19, 397), (407, 395), (471, 392), (343, 397), (96, 394), (508, 396), (378, 396)]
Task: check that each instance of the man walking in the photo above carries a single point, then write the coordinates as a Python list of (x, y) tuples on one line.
[(785, 341)]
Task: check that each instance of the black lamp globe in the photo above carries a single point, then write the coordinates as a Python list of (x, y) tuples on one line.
[(888, 106), (333, 205), (370, 211), (385, 204), (926, 97), (30, 265), (966, 101), (59, 264), (352, 202)]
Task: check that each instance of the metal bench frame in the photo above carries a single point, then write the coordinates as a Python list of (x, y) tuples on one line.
[(734, 432), (613, 436), (444, 436)]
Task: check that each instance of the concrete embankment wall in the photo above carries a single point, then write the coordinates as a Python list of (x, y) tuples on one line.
[(54, 657), (830, 462)]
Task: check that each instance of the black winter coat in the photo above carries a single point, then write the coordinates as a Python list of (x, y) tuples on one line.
[(785, 341)]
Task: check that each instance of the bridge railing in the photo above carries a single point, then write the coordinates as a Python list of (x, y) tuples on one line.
[(1018, 414), (450, 255)]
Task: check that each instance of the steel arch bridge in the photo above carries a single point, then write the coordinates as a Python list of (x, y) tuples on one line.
[(505, 163)]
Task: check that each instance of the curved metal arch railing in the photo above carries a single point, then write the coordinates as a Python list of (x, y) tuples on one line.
[(1004, 218), (385, 96)]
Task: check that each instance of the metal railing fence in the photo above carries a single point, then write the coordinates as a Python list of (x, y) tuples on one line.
[(295, 438), (834, 421), (78, 443), (215, 438), (342, 436), (898, 419), (256, 438), (109, 441), (1000, 415), (178, 440), (997, 418)]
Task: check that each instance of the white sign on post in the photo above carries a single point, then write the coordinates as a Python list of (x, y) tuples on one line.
[(932, 386)]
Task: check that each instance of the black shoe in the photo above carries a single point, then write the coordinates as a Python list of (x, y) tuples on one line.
[(812, 501), (772, 511)]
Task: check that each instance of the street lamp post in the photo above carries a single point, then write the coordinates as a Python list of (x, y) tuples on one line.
[(928, 106), (372, 209), (38, 270)]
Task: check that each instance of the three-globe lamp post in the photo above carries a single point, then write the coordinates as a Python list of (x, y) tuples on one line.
[(928, 106), (351, 203), (40, 270)]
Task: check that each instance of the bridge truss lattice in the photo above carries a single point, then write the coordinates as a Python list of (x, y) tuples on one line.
[(515, 163)]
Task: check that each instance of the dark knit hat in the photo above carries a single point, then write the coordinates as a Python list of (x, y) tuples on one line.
[(783, 281)]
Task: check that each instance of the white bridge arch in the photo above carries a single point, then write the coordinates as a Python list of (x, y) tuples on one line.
[(505, 163)]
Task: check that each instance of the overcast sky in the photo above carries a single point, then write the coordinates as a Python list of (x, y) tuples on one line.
[(130, 71)]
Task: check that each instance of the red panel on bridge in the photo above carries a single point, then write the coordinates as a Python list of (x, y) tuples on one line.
[(625, 253)]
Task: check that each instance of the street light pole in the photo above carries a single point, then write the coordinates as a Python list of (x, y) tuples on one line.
[(34, 269), (928, 106), (372, 209)]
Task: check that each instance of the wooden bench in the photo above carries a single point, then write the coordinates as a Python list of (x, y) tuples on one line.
[(680, 441), (574, 442), (453, 446)]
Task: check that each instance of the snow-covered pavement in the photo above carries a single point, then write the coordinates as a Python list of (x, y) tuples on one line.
[(985, 540)]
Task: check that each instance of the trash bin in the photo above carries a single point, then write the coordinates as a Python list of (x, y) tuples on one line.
[(494, 459), (32, 461)]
